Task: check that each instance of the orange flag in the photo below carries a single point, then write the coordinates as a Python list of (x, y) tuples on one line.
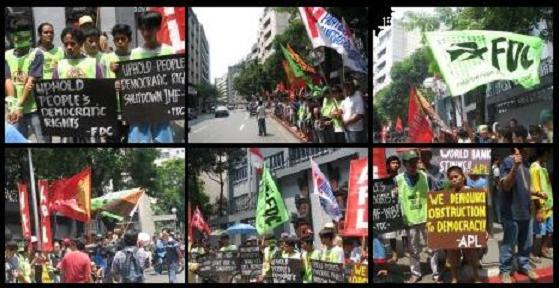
[(72, 196)]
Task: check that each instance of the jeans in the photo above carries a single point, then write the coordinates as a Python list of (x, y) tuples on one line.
[(261, 127), (339, 137), (173, 268), (34, 121), (326, 135), (354, 136), (516, 232), (415, 233)]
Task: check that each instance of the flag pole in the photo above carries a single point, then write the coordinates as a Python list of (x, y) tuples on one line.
[(34, 198)]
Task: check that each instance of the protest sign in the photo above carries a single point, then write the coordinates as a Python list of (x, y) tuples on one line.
[(456, 220), (357, 213), (358, 273), (76, 107), (387, 216), (286, 270), (250, 260), (225, 265), (471, 58), (153, 90), (326, 272), (471, 160), (205, 266)]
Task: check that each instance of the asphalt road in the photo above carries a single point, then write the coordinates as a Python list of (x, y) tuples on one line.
[(239, 127)]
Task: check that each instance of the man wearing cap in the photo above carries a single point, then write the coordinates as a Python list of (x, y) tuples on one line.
[(328, 105), (412, 195), (309, 253), (331, 252)]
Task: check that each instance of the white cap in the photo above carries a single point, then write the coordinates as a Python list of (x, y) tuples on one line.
[(34, 239), (85, 19), (329, 225)]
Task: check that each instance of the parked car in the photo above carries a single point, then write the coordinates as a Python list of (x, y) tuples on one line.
[(221, 111), (231, 106)]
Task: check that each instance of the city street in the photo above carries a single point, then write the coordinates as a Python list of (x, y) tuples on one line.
[(238, 127), (153, 277)]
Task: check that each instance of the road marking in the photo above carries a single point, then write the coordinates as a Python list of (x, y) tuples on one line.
[(242, 127), (199, 129)]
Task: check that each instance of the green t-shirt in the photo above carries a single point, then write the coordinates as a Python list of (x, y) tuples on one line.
[(307, 267), (413, 199), (51, 58), (143, 53), (328, 106), (106, 61), (77, 68), (19, 70), (228, 248)]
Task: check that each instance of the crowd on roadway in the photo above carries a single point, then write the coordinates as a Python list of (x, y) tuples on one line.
[(331, 115), (513, 132), (333, 248), (519, 197), (116, 257)]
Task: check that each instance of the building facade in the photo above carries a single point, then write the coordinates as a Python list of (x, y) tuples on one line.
[(198, 59), (390, 46), (291, 170), (271, 24)]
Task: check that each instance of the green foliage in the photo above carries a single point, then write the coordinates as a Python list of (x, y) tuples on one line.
[(170, 187), (207, 91)]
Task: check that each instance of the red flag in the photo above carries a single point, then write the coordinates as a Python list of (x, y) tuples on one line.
[(419, 127), (72, 196), (199, 223), (46, 230), (24, 209), (173, 27), (257, 159), (399, 126), (357, 219), (379, 163)]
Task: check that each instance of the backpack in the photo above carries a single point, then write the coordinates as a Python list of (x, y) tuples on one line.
[(132, 272)]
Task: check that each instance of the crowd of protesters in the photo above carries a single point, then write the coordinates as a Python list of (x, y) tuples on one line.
[(519, 198), (116, 257), (335, 114)]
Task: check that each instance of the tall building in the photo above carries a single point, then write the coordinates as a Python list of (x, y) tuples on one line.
[(271, 24), (390, 46), (221, 85), (198, 51), (290, 168)]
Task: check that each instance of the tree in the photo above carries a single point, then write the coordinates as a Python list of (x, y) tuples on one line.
[(215, 162), (207, 91), (251, 78), (170, 187)]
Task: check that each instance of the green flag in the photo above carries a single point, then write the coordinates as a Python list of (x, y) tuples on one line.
[(270, 211), (117, 205), (297, 71), (470, 58)]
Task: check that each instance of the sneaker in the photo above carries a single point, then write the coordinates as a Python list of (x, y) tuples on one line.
[(505, 278), (532, 275)]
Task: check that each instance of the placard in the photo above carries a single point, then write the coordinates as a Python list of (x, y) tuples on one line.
[(286, 270), (326, 272), (250, 261), (387, 216)]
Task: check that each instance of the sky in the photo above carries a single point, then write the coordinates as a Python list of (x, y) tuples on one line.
[(231, 32), (399, 11)]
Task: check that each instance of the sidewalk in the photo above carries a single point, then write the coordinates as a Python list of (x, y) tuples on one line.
[(489, 273), (292, 129)]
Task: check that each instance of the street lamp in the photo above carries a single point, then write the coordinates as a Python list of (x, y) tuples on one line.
[(174, 210)]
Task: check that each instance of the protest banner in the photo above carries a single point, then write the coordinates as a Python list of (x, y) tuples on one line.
[(470, 58), (379, 163), (153, 90), (286, 270), (24, 209), (357, 213), (326, 272), (225, 265), (387, 216), (358, 273), (471, 160), (205, 266), (76, 107), (456, 220), (250, 260)]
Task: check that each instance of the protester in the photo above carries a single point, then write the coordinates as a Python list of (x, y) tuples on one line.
[(353, 114), (542, 195), (330, 252), (149, 24), (225, 245), (261, 116), (173, 256), (24, 66), (515, 213), (309, 253), (75, 267), (412, 195), (129, 263)]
